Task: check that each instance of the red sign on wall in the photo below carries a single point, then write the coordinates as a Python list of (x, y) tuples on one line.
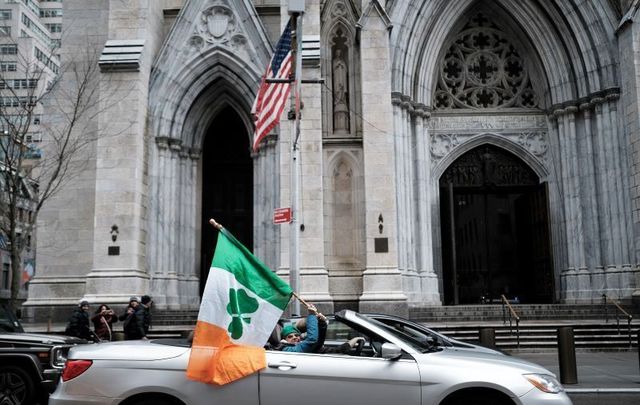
[(282, 215)]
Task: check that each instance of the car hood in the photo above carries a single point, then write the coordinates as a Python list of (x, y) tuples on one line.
[(471, 358), (37, 338), (138, 350)]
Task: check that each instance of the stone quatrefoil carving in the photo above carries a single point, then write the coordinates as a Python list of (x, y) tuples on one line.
[(483, 69)]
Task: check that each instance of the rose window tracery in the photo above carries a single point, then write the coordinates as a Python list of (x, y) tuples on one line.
[(483, 69)]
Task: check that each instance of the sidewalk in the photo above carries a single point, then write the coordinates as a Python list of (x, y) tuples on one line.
[(598, 372)]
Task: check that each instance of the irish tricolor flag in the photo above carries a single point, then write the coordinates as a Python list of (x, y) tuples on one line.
[(241, 305)]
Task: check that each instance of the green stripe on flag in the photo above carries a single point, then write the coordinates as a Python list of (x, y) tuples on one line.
[(231, 255)]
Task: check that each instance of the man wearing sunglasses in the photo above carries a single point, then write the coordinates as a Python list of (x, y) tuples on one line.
[(312, 341)]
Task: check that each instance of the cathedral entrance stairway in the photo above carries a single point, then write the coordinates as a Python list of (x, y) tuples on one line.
[(595, 327)]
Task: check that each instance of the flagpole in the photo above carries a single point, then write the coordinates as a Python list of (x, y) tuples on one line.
[(294, 236)]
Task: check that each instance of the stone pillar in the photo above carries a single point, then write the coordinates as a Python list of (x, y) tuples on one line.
[(592, 227), (184, 197), (604, 210), (158, 270), (570, 273), (429, 294), (584, 278), (193, 269), (382, 282), (172, 197), (628, 40)]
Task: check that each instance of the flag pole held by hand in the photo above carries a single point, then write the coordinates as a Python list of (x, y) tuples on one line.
[(310, 307)]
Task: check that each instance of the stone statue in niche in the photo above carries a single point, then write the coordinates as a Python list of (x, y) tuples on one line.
[(340, 75)]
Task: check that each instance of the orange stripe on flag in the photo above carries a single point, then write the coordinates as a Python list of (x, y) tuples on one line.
[(215, 359)]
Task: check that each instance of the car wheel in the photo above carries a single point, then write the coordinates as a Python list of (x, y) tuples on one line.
[(484, 397), (16, 387)]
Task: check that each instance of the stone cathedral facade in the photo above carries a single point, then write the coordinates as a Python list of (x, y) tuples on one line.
[(456, 151)]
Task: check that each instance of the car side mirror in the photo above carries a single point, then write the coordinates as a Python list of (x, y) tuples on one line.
[(390, 351)]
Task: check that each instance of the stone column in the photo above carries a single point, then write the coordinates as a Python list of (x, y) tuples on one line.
[(409, 200), (184, 194), (556, 214), (570, 273), (171, 255), (428, 279), (593, 245), (398, 127), (382, 282), (613, 267), (193, 268), (584, 278)]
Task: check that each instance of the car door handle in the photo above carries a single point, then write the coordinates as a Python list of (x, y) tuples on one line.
[(282, 365)]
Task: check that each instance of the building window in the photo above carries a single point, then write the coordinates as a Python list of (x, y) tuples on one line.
[(5, 14), (54, 28), (50, 12), (8, 66), (5, 275), (5, 31), (9, 49)]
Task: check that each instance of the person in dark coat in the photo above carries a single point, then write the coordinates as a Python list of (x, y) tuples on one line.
[(146, 302), (133, 319), (103, 321), (78, 324)]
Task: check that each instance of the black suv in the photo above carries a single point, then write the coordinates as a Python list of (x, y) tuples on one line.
[(30, 364)]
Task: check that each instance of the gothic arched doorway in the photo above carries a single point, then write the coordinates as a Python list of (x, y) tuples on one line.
[(227, 185), (495, 230)]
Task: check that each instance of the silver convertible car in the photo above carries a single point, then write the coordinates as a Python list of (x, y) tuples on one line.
[(391, 367)]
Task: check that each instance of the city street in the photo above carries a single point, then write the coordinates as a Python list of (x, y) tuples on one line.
[(604, 378)]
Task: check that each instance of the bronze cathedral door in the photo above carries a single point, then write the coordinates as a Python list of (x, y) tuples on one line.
[(495, 230)]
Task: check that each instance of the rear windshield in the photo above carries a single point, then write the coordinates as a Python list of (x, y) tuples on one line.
[(172, 342)]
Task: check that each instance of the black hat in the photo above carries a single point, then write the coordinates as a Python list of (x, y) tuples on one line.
[(145, 299)]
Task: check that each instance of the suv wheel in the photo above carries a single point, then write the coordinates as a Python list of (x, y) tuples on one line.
[(16, 387)]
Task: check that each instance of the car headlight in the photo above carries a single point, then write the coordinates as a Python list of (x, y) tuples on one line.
[(59, 356), (544, 383)]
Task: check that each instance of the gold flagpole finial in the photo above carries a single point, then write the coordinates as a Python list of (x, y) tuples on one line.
[(215, 224)]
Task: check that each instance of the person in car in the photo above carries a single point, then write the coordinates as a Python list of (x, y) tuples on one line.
[(78, 324), (133, 319), (312, 342), (103, 321)]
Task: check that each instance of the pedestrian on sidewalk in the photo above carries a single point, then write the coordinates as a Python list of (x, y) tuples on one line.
[(103, 321), (133, 320), (78, 324)]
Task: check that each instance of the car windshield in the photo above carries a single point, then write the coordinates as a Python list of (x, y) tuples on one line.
[(416, 339), (7, 322)]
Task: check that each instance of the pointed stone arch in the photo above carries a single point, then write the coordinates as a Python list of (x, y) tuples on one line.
[(212, 59), (344, 224), (573, 62), (489, 138)]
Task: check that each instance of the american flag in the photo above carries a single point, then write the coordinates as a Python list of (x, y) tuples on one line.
[(272, 97)]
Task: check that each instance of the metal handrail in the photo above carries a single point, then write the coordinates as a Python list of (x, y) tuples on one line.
[(606, 300), (512, 314)]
